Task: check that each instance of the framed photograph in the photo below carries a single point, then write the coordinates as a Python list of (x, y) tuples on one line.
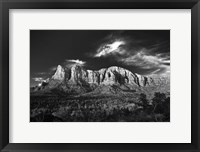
[(99, 75)]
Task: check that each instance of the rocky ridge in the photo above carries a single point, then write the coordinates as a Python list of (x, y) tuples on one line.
[(79, 80)]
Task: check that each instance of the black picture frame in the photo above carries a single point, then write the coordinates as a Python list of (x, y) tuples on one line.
[(5, 5)]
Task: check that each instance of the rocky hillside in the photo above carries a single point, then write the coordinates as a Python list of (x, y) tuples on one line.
[(114, 79)]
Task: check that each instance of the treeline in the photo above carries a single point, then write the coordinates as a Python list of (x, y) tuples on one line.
[(158, 106)]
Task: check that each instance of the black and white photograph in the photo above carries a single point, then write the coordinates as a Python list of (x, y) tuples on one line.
[(99, 75)]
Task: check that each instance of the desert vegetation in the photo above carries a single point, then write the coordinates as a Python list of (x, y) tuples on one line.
[(100, 109)]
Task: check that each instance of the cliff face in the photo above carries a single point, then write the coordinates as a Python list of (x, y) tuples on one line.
[(59, 74), (81, 80), (109, 76)]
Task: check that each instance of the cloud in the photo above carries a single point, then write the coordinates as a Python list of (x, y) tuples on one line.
[(77, 61), (162, 70), (134, 54), (38, 79), (110, 48), (145, 61), (52, 69), (159, 63), (140, 53), (70, 62), (156, 71), (41, 73)]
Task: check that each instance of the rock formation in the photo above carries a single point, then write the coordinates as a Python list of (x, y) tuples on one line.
[(79, 80), (59, 74)]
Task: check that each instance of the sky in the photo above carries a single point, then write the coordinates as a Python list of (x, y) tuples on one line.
[(145, 52)]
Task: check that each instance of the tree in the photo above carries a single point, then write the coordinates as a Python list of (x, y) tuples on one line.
[(143, 100), (158, 100), (166, 110)]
